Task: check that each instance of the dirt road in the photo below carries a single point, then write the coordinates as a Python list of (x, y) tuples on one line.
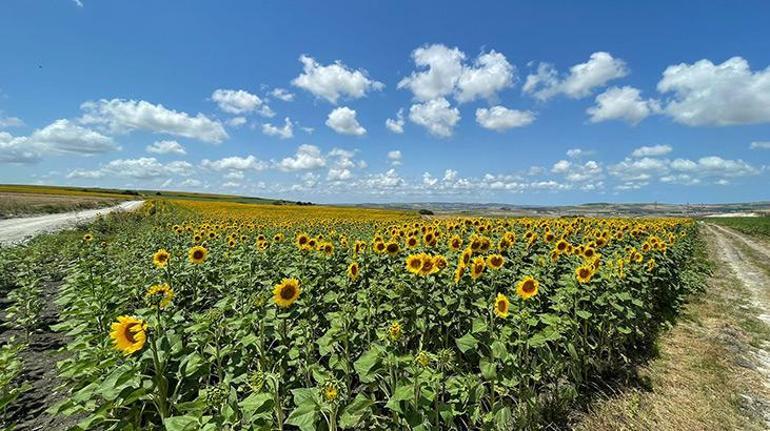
[(21, 229)]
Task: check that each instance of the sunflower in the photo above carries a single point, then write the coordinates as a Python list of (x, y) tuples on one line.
[(465, 257), (129, 334), (161, 294), (379, 247), (414, 263), (422, 358), (412, 242), (439, 262), (197, 254), (527, 287), (330, 392), (88, 237), (501, 306), (326, 248), (459, 272), (392, 248), (286, 292), (301, 240), (455, 242), (561, 246), (394, 331), (160, 258), (428, 265), (354, 271), (495, 261), (477, 267), (584, 273)]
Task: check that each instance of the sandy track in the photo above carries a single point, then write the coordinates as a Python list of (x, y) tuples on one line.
[(20, 229)]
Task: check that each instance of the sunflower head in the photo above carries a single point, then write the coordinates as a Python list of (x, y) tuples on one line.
[(459, 272), (354, 271), (394, 331), (440, 262), (414, 263), (495, 261), (128, 334), (527, 288), (422, 359), (197, 254), (160, 258), (88, 237), (160, 295), (584, 273), (286, 292), (330, 392), (502, 305), (392, 248), (477, 267), (428, 265)]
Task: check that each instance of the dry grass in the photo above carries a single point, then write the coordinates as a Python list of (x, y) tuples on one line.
[(14, 204), (701, 379)]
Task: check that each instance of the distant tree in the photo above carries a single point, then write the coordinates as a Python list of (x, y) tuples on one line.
[(425, 211)]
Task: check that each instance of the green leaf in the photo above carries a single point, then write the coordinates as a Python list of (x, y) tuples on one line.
[(504, 419), (466, 342), (257, 403), (402, 393), (367, 363), (303, 417), (499, 351), (488, 368), (584, 314), (181, 423), (355, 412)]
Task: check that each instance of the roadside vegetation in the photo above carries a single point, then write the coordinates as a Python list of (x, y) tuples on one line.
[(759, 226)]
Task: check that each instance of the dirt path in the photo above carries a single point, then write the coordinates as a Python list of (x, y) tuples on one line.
[(20, 229), (749, 261)]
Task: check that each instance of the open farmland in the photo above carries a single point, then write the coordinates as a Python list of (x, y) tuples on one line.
[(203, 315)]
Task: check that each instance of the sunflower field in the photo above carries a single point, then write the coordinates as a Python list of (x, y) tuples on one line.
[(226, 316)]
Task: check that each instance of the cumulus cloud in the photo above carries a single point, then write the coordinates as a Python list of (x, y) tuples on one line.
[(285, 132), (581, 80), (500, 118), (282, 94), (166, 147), (574, 153), (760, 145), (436, 115), (638, 172), (708, 94), (652, 151), (333, 81), (239, 102), (122, 116), (442, 72), (7, 122), (395, 157), (235, 163), (143, 168), (236, 121), (397, 125), (58, 138), (622, 103), (343, 121), (307, 157)]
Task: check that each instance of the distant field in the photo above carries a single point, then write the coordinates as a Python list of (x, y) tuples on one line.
[(750, 225), (18, 200)]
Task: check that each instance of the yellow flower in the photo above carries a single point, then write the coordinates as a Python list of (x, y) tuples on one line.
[(88, 237), (455, 242), (527, 287), (477, 267), (394, 332), (160, 258), (414, 263), (501, 306), (392, 248), (164, 291), (353, 271), (129, 334), (584, 273), (286, 292), (330, 392), (459, 272), (495, 261), (197, 254), (439, 262), (422, 359), (301, 240), (428, 265)]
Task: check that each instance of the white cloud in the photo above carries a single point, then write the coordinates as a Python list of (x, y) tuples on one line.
[(653, 151), (282, 94), (582, 79), (435, 115), (757, 145), (234, 175), (343, 121), (561, 167), (500, 118), (395, 157), (624, 103), (58, 138), (574, 153), (235, 163), (397, 125), (7, 122), (639, 172), (236, 121), (708, 94), (334, 81), (120, 115), (441, 73), (166, 147), (239, 102), (285, 132), (307, 157), (143, 168)]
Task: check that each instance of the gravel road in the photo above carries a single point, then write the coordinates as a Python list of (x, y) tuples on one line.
[(18, 230)]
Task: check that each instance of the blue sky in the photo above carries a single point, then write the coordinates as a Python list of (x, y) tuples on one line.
[(516, 102)]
